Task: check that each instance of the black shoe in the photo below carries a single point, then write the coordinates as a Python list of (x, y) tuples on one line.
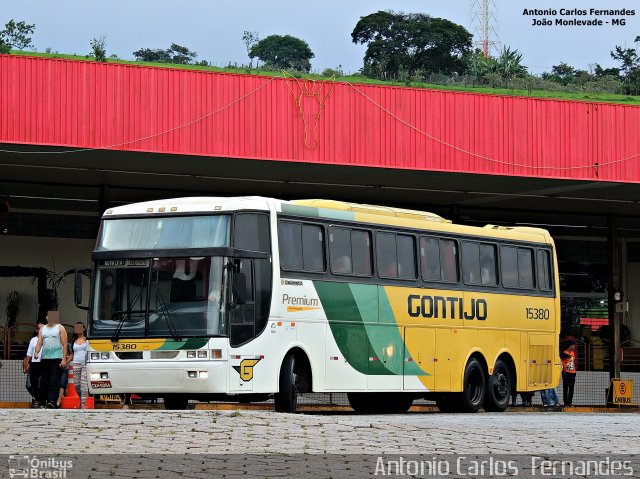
[(50, 405)]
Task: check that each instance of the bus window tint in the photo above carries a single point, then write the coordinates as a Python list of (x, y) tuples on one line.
[(544, 272), (406, 247), (290, 239), (488, 265), (361, 252), (517, 267), (509, 266), (471, 262), (449, 260), (313, 248), (430, 259), (479, 263), (525, 268), (251, 232), (340, 250), (387, 255)]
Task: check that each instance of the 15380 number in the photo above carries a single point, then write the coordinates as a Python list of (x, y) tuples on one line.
[(537, 313)]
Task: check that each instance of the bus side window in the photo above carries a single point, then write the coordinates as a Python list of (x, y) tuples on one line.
[(396, 255), (544, 270), (516, 266), (479, 263), (350, 251), (509, 266)]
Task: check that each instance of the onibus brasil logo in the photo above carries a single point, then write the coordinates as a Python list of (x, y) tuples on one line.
[(22, 466)]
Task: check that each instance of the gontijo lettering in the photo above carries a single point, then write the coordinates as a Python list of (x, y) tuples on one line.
[(442, 307)]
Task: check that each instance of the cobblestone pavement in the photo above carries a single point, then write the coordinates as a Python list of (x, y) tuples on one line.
[(243, 432), (118, 444)]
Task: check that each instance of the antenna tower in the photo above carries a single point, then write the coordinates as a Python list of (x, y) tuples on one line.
[(484, 23)]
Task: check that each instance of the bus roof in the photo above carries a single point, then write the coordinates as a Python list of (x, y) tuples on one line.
[(330, 209)]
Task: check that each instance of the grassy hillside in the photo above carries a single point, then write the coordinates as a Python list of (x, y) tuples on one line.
[(581, 96)]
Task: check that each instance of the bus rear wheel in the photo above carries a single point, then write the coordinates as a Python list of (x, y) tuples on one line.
[(499, 387), (474, 387), (175, 402), (286, 399)]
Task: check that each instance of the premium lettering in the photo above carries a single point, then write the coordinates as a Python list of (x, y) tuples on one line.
[(449, 307)]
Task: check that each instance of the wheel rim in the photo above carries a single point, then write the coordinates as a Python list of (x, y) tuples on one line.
[(500, 386), (474, 386)]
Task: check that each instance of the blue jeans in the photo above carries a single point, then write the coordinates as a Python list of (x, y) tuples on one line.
[(549, 397)]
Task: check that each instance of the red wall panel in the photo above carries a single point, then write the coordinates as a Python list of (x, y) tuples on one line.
[(93, 105)]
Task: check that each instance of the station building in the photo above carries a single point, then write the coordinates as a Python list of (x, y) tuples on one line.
[(78, 137)]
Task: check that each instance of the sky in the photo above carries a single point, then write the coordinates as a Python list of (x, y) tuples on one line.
[(213, 28)]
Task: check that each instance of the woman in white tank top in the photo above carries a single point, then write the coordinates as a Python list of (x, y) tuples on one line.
[(80, 361)]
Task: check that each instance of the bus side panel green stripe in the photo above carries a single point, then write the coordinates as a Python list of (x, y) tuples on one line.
[(387, 317), (345, 316), (345, 323)]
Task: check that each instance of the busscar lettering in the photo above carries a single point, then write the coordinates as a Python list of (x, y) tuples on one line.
[(441, 307)]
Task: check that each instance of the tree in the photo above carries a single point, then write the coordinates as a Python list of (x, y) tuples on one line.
[(99, 47), (16, 36), (410, 42), (629, 66), (283, 51), (250, 39), (174, 54), (509, 64)]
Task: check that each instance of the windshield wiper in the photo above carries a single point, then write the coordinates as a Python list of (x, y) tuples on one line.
[(124, 315), (165, 313)]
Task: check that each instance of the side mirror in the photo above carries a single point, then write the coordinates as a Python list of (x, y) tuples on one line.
[(77, 287), (239, 288)]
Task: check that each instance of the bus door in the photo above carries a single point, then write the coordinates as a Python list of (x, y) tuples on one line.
[(241, 331)]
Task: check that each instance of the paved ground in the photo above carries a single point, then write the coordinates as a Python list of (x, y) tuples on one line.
[(233, 432), (203, 444)]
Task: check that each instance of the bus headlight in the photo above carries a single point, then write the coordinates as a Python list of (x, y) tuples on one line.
[(191, 354), (104, 355), (95, 356), (216, 353), (95, 376), (202, 354)]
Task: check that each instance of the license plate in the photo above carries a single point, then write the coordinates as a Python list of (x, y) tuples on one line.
[(100, 384)]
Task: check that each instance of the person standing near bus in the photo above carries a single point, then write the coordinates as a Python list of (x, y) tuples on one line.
[(79, 361), (51, 347), (569, 358), (31, 366)]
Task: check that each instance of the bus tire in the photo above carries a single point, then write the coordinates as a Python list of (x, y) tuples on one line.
[(447, 402), (362, 403), (175, 402), (399, 403), (474, 387), (286, 399), (499, 385)]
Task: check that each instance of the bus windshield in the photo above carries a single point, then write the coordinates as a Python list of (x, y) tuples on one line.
[(175, 232), (161, 297)]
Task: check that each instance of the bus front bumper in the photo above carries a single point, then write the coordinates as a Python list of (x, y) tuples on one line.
[(157, 377)]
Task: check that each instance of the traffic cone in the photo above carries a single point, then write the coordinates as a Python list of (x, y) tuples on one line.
[(89, 403), (71, 400)]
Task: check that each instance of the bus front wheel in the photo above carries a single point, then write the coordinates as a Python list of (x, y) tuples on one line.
[(474, 386), (499, 387), (286, 399)]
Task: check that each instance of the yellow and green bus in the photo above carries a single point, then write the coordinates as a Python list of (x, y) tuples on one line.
[(249, 298)]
